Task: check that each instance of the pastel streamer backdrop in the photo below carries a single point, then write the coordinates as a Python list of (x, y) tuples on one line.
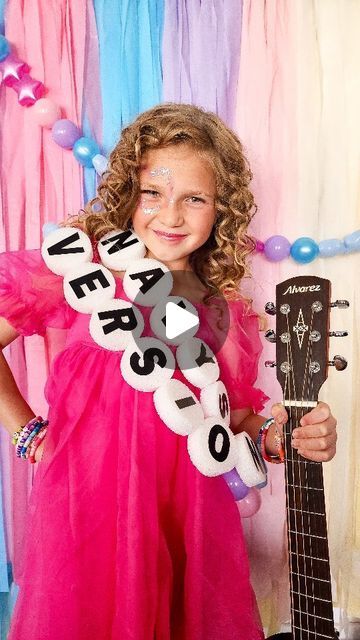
[(272, 70)]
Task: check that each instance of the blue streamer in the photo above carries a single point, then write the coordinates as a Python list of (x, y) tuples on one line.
[(130, 36), (2, 16), (4, 581)]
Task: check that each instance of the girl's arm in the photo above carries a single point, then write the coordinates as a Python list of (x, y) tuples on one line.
[(314, 438), (14, 410)]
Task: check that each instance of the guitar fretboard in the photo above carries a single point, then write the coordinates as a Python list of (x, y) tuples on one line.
[(310, 583)]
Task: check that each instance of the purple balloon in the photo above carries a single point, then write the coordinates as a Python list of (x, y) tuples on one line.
[(277, 248), (65, 133), (237, 487)]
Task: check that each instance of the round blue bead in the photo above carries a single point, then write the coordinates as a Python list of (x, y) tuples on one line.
[(304, 250), (84, 150)]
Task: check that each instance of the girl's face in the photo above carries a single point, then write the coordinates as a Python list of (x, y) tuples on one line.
[(176, 209)]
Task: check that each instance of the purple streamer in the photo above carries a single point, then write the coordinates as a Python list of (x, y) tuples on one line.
[(201, 54)]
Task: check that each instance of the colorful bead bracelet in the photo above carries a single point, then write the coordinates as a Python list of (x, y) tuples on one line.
[(261, 443), (28, 437)]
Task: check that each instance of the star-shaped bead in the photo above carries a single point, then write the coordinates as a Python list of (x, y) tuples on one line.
[(12, 69), (28, 90)]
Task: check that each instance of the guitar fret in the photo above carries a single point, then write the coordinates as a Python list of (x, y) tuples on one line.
[(313, 513), (303, 555), (312, 615), (307, 595), (300, 486), (302, 575), (315, 634), (309, 535)]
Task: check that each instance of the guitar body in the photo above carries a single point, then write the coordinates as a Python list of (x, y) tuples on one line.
[(281, 636)]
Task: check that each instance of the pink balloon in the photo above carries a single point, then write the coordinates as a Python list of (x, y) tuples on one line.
[(249, 505), (45, 112)]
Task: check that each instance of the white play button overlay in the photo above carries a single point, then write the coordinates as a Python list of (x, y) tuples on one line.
[(179, 320), (174, 320)]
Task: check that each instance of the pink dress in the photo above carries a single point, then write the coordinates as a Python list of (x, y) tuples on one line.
[(126, 540)]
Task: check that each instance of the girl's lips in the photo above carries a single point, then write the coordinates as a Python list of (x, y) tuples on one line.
[(169, 236)]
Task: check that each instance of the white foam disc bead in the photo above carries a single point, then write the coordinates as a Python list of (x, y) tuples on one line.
[(147, 281), (118, 249), (147, 364), (115, 324), (178, 407), (88, 287), (158, 314), (214, 400), (66, 248), (197, 362), (212, 447), (250, 464)]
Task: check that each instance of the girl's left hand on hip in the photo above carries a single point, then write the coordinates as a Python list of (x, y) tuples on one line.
[(315, 437)]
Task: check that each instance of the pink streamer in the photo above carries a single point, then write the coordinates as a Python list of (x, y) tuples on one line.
[(266, 124), (40, 181)]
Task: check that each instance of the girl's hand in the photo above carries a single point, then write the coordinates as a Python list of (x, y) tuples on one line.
[(39, 451), (315, 437)]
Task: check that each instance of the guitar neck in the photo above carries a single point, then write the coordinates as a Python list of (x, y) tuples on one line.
[(310, 583)]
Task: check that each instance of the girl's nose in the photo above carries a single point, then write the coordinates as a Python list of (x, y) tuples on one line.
[(171, 213)]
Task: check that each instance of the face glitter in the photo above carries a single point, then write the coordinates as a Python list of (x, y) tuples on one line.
[(148, 211), (161, 171)]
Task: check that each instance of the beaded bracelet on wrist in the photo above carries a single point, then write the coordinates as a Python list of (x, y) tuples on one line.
[(261, 443), (27, 437)]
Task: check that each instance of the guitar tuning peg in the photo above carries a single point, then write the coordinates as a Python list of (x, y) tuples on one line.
[(338, 334), (340, 304), (270, 363), (270, 309), (270, 335), (339, 362)]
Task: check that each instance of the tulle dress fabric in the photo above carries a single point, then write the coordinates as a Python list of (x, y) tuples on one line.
[(125, 540)]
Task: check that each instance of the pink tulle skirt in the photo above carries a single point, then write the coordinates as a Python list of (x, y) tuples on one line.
[(126, 540)]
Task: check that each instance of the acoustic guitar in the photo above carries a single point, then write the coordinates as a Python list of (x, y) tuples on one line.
[(302, 329)]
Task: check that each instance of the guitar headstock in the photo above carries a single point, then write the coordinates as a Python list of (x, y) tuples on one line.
[(302, 337)]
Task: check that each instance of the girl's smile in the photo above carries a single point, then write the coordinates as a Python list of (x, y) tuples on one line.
[(176, 209)]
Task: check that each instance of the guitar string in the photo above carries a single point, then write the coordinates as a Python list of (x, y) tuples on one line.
[(299, 466), (287, 490), (308, 378), (295, 458), (319, 507)]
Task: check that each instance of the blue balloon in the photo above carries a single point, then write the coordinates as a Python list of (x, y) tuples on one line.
[(333, 247), (352, 241), (84, 150), (304, 250), (4, 48)]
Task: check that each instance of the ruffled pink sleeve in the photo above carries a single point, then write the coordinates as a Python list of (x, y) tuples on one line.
[(240, 357), (31, 296)]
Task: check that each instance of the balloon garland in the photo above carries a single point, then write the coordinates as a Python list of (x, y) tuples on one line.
[(305, 249), (45, 112), (148, 363), (87, 152)]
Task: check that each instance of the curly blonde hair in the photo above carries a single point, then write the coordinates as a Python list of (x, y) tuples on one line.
[(220, 263)]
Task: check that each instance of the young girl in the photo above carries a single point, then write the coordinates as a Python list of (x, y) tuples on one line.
[(126, 539)]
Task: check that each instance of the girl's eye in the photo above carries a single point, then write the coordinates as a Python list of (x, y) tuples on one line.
[(150, 192), (196, 200)]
